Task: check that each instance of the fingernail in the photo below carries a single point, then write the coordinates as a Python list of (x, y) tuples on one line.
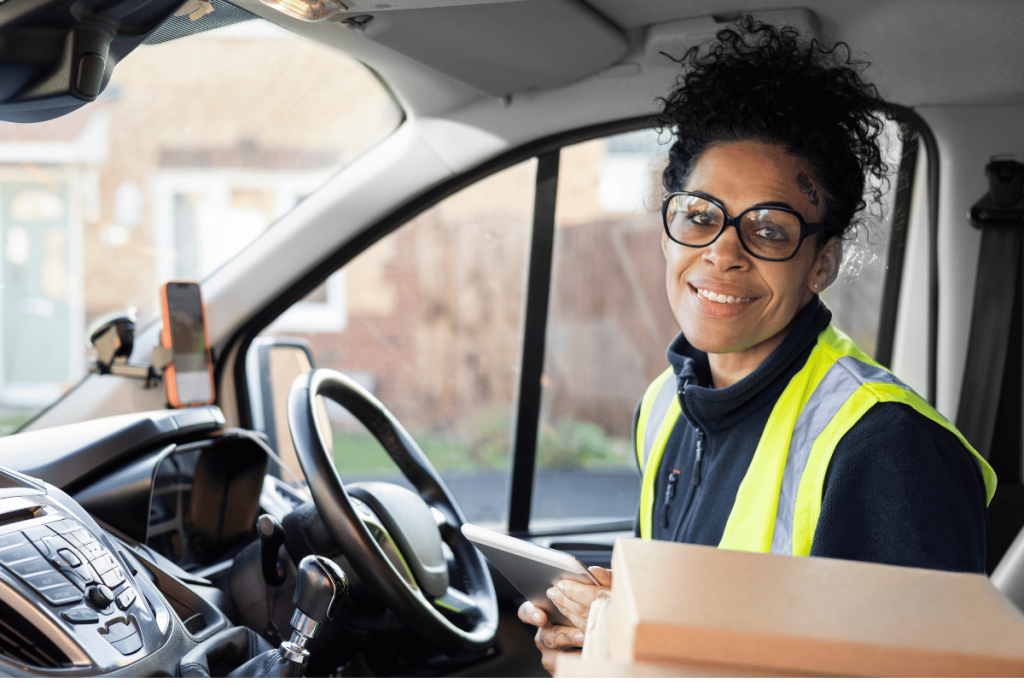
[(553, 592), (535, 617), (578, 637)]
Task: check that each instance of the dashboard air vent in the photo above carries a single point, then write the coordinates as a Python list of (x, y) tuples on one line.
[(23, 643)]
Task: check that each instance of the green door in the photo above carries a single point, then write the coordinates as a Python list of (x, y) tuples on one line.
[(34, 226)]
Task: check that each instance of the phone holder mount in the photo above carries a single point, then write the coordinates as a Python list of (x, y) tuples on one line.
[(113, 337)]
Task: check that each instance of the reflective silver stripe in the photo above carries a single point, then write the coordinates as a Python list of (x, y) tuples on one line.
[(845, 376), (659, 409)]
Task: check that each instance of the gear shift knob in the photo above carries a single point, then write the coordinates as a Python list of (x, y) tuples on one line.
[(320, 588)]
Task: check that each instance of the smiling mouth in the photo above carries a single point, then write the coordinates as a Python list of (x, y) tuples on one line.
[(718, 297)]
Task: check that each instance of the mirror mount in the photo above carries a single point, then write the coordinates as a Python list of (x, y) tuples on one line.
[(113, 337)]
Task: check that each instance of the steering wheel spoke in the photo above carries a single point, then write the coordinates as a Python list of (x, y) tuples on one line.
[(457, 604)]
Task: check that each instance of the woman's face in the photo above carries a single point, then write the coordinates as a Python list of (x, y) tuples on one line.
[(767, 294)]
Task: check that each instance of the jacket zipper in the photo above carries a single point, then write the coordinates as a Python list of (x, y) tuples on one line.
[(695, 477), (670, 493), (698, 457)]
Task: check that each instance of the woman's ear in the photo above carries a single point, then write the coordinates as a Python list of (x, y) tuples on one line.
[(826, 266)]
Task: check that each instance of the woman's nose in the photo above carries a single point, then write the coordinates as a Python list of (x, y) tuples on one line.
[(727, 251)]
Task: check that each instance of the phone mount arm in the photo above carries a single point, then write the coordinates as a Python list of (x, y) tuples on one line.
[(113, 336)]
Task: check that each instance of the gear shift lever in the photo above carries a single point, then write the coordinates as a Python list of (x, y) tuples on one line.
[(320, 587)]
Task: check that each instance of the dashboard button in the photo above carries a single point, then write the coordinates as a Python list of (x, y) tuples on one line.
[(83, 573), (30, 567), (54, 544), (128, 645), (64, 595), (104, 563), (61, 526), (118, 629), (126, 597), (8, 540), (50, 579), (92, 550), (82, 536), (113, 578), (80, 615), (37, 533), (75, 579), (18, 553), (69, 557)]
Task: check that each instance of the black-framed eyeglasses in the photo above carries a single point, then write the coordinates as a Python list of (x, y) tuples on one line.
[(766, 231)]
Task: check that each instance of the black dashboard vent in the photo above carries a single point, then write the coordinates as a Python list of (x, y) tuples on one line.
[(23, 643)]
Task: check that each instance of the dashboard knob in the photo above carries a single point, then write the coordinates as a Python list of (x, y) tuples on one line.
[(100, 597)]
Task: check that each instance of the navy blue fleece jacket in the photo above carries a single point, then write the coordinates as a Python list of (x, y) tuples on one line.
[(899, 489)]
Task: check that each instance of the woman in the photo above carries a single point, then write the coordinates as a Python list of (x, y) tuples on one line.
[(770, 431)]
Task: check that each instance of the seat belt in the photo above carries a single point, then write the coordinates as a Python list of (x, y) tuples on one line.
[(1000, 217)]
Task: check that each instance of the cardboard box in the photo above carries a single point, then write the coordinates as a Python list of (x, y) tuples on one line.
[(572, 665), (692, 607)]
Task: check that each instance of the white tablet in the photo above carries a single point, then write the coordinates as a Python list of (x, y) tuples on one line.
[(531, 568)]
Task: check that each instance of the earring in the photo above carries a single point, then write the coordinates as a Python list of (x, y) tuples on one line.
[(817, 286)]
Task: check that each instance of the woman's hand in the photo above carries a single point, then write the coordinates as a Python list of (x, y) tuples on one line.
[(573, 599)]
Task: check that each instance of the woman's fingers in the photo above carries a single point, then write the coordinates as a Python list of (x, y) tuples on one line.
[(603, 576), (574, 599), (530, 614), (553, 640), (559, 638)]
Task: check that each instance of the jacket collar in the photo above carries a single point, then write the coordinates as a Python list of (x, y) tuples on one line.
[(716, 409)]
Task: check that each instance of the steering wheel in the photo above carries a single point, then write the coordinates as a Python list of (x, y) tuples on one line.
[(413, 526)]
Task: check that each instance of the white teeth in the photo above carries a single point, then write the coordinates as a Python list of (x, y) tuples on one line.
[(721, 298)]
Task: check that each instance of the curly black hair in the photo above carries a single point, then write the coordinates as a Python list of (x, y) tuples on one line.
[(764, 83)]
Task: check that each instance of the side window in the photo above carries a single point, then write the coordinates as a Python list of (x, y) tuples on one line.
[(608, 326), (856, 296), (433, 327)]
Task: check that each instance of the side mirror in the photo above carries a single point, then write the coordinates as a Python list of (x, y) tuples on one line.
[(271, 365)]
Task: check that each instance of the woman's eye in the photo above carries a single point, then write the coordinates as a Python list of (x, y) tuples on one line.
[(770, 232), (701, 218)]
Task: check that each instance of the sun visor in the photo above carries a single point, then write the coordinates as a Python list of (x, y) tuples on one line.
[(503, 48)]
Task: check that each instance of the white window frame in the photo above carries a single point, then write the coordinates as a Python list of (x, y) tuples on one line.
[(289, 187)]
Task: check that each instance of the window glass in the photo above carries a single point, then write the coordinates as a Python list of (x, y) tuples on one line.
[(180, 163), (608, 326), (855, 298), (432, 325)]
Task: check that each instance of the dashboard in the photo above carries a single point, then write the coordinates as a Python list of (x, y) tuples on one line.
[(111, 533), (69, 598)]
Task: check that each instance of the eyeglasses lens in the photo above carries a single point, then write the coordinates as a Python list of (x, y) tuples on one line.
[(768, 233), (693, 221)]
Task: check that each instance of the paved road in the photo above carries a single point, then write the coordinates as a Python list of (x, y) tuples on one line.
[(558, 495)]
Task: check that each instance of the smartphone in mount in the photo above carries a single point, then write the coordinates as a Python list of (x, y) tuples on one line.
[(189, 377)]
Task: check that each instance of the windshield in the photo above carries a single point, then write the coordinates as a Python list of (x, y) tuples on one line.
[(193, 150)]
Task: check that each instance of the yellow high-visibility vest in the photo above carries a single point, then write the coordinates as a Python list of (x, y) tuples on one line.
[(779, 500)]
